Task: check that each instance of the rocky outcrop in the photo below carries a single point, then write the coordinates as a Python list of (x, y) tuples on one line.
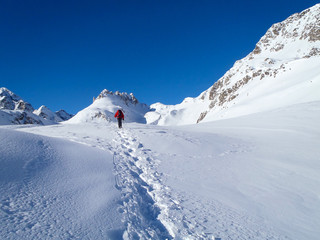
[(299, 35), (127, 98), (104, 107), (63, 115), (11, 101), (17, 111), (270, 76)]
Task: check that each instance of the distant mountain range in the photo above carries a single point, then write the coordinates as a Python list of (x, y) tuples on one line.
[(282, 70), (14, 110)]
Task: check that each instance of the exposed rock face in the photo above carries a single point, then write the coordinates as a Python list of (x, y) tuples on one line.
[(299, 26), (295, 38), (14, 110), (25, 106), (27, 118), (64, 115), (11, 101), (270, 75), (127, 98)]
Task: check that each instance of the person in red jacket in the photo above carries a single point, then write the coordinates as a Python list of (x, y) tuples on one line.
[(120, 116)]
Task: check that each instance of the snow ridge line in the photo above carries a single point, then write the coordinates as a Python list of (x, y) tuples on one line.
[(139, 205)]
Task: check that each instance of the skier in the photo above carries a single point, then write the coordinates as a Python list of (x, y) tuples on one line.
[(120, 116)]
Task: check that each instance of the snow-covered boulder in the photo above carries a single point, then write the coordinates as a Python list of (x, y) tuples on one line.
[(107, 103)]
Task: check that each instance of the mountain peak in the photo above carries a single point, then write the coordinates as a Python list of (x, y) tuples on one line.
[(14, 110), (4, 90), (127, 98), (282, 70), (45, 113), (107, 103), (11, 101), (298, 28)]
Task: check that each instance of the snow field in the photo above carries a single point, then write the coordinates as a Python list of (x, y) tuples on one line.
[(253, 177), (55, 189), (204, 193)]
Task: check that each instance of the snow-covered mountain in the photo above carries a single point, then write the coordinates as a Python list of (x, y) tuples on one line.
[(11, 101), (282, 70), (47, 114), (107, 103), (14, 110), (63, 115)]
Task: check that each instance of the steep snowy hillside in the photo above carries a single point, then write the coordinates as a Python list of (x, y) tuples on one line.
[(14, 110), (282, 70), (107, 103)]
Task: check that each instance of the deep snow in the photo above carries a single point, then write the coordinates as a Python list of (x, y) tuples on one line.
[(253, 177)]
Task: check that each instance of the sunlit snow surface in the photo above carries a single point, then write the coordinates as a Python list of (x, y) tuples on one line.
[(253, 177)]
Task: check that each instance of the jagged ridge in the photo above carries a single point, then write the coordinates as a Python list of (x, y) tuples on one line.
[(107, 103), (14, 110)]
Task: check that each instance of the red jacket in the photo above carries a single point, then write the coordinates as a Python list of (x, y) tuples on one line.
[(119, 114)]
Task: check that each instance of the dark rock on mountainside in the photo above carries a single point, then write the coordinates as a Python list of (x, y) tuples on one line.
[(14, 110)]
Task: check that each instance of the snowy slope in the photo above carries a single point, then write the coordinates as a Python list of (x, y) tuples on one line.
[(106, 105), (252, 177), (282, 70), (254, 174), (55, 189)]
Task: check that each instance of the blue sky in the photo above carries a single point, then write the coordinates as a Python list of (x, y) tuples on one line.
[(63, 53)]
